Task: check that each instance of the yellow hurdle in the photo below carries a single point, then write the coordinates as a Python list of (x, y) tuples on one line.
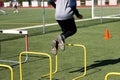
[(79, 45), (37, 53), (111, 73), (56, 67), (56, 62), (10, 68)]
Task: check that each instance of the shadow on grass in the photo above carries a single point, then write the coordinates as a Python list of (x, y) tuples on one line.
[(99, 64), (48, 79), (36, 59)]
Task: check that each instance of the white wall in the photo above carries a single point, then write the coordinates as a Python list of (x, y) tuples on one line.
[(45, 4), (78, 3), (34, 3), (112, 2), (88, 2), (99, 2), (6, 4), (25, 4)]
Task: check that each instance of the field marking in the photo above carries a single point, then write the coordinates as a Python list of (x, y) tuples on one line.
[(21, 23), (51, 24), (36, 26)]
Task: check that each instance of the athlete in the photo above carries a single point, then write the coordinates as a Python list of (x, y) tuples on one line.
[(15, 7), (64, 15)]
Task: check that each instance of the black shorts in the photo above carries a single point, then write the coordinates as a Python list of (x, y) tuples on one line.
[(15, 6)]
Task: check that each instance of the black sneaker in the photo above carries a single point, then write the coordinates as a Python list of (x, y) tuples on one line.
[(61, 42), (54, 47)]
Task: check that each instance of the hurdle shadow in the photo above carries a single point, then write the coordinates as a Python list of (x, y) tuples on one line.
[(98, 63), (48, 79)]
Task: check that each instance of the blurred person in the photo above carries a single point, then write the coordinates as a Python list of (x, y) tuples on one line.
[(64, 15), (1, 5), (15, 6)]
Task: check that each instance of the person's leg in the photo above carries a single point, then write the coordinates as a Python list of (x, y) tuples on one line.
[(68, 28), (15, 9), (54, 47), (2, 11)]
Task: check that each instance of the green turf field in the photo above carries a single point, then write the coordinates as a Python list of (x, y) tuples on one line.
[(102, 55)]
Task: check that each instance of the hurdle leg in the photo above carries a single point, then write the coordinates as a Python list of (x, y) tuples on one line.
[(56, 67), (26, 48), (56, 62), (111, 73), (79, 45), (20, 32), (10, 68), (37, 53)]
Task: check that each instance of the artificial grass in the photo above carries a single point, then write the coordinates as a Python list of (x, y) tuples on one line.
[(102, 55)]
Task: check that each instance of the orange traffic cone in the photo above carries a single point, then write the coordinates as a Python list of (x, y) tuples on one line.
[(107, 35)]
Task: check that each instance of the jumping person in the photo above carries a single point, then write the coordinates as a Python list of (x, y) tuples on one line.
[(64, 12), (1, 5)]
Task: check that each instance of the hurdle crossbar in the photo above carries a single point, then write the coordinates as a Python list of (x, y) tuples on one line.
[(14, 31), (22, 32), (10, 68), (111, 73), (84, 73), (37, 53)]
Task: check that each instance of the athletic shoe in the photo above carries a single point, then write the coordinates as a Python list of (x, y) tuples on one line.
[(54, 47), (61, 42)]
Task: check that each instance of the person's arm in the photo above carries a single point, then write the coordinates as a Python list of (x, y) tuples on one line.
[(52, 2), (73, 7)]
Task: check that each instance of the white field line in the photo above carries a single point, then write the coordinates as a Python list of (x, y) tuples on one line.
[(36, 26), (52, 24)]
